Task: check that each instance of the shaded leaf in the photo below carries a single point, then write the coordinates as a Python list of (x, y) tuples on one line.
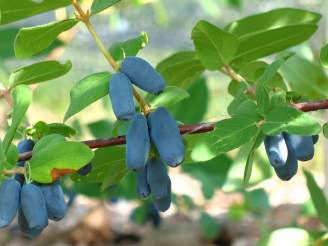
[(108, 167), (181, 69), (169, 97), (87, 91), (15, 10), (250, 158), (130, 47), (22, 99), (262, 44), (305, 77), (272, 20), (39, 72), (324, 55), (318, 197), (291, 120), (100, 5), (197, 101), (214, 46), (32, 40), (51, 162)]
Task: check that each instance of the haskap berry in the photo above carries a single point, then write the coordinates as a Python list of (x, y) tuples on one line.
[(121, 96), (302, 145), (24, 226), (143, 75), (55, 202), (166, 137), (9, 201), (84, 171), (23, 146), (298, 148), (276, 150), (142, 184), (34, 206), (137, 143), (157, 178)]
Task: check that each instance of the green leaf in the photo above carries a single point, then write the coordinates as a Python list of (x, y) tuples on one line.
[(56, 158), (324, 56), (101, 128), (100, 5), (318, 197), (197, 101), (305, 77), (22, 99), (212, 174), (291, 120), (209, 226), (181, 69), (32, 40), (7, 37), (15, 10), (325, 130), (60, 128), (231, 133), (256, 71), (39, 72), (270, 20), (262, 99), (271, 71), (170, 96), (214, 46), (250, 158), (130, 47), (47, 141), (87, 91), (262, 44), (12, 155), (108, 167)]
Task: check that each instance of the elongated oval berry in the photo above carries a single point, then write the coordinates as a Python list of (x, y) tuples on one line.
[(157, 178), (164, 203), (23, 226), (289, 170), (276, 150), (34, 206), (84, 171), (143, 75), (302, 145), (165, 134), (55, 202), (9, 201), (142, 184), (121, 96), (315, 138), (23, 146), (137, 143)]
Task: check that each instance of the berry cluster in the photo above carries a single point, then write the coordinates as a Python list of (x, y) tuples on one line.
[(158, 128), (35, 203), (285, 150)]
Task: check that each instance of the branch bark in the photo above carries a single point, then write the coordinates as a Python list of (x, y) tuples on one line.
[(185, 129)]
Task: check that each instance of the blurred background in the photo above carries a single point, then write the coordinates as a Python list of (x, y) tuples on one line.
[(210, 205)]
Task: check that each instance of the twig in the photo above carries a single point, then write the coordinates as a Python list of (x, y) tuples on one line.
[(85, 18), (120, 140)]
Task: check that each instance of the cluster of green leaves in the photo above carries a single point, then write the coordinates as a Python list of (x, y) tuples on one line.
[(53, 152), (236, 47), (262, 92)]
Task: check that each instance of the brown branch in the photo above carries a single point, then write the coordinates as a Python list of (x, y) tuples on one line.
[(312, 106), (120, 140), (185, 129)]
